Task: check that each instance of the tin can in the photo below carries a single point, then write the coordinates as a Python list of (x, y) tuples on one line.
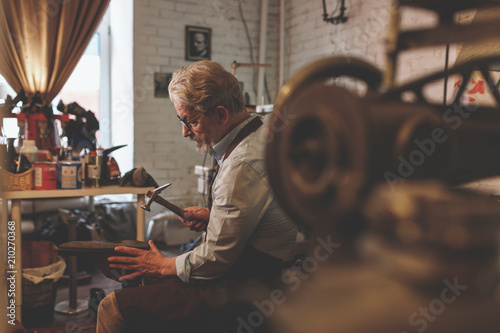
[(45, 176), (70, 175)]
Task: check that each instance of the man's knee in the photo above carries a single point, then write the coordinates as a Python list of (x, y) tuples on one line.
[(107, 304), (109, 318)]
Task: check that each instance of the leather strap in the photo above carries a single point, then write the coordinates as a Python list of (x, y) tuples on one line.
[(249, 128)]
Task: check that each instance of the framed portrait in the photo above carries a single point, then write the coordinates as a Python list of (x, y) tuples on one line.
[(162, 80), (198, 43)]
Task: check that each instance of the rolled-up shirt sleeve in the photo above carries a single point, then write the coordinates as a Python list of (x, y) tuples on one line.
[(241, 195), (183, 267)]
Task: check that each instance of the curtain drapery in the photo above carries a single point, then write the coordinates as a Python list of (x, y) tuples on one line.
[(42, 41)]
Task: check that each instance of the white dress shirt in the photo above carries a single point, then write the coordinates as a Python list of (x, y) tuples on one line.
[(244, 211)]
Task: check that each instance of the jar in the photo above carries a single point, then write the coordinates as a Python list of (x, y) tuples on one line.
[(30, 151)]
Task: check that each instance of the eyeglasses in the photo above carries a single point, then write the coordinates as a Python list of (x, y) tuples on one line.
[(187, 122)]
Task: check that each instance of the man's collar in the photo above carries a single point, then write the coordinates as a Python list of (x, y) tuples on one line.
[(219, 149)]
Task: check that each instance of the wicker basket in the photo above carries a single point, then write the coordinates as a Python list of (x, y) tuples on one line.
[(16, 181)]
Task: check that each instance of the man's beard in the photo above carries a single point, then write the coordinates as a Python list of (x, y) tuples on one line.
[(203, 147)]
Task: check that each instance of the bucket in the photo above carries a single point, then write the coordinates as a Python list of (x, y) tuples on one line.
[(39, 293)]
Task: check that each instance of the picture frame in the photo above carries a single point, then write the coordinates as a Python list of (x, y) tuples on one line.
[(162, 80), (198, 43)]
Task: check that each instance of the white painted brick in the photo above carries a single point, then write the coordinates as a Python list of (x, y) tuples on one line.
[(157, 60), (147, 49), (178, 173), (163, 5), (157, 22), (148, 31), (169, 52), (178, 42), (145, 159), (190, 7), (172, 33), (145, 164), (169, 17), (165, 164), (158, 41), (192, 19), (158, 140), (144, 11), (179, 61)]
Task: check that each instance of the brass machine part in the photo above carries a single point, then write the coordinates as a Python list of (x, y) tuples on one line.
[(445, 32), (428, 262), (328, 146), (423, 258)]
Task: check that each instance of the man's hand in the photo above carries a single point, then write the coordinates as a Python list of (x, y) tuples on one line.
[(150, 263), (196, 218)]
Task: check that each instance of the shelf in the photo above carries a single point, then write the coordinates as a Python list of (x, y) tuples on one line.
[(41, 194)]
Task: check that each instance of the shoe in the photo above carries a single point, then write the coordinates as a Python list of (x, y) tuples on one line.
[(101, 251)]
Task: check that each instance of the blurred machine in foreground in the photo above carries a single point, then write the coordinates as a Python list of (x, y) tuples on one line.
[(394, 246)]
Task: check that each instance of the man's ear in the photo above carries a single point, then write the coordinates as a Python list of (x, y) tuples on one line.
[(222, 115)]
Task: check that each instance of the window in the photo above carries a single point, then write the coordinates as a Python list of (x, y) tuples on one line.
[(9, 125), (88, 85)]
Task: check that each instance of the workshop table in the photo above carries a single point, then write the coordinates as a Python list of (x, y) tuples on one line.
[(15, 198)]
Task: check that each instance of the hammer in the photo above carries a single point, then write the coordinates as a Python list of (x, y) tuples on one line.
[(154, 196)]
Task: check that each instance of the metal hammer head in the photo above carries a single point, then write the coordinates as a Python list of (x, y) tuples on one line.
[(152, 196)]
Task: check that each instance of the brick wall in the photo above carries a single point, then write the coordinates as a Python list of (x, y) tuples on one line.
[(309, 38), (159, 47), (159, 37)]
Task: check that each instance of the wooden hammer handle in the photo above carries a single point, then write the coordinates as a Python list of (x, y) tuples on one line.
[(167, 204)]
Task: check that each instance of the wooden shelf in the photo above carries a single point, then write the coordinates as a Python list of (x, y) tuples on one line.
[(40, 194), (14, 228)]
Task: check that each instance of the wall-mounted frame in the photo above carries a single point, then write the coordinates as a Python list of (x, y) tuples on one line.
[(162, 80), (198, 43)]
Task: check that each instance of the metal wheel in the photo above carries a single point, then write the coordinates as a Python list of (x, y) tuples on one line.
[(317, 149)]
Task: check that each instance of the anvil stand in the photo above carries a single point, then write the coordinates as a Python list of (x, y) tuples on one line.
[(74, 305)]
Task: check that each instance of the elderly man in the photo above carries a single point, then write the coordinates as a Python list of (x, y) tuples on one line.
[(248, 237)]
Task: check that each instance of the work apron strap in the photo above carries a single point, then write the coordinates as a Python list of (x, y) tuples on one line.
[(249, 128)]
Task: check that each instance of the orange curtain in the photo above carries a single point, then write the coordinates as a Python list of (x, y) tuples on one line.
[(42, 41)]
